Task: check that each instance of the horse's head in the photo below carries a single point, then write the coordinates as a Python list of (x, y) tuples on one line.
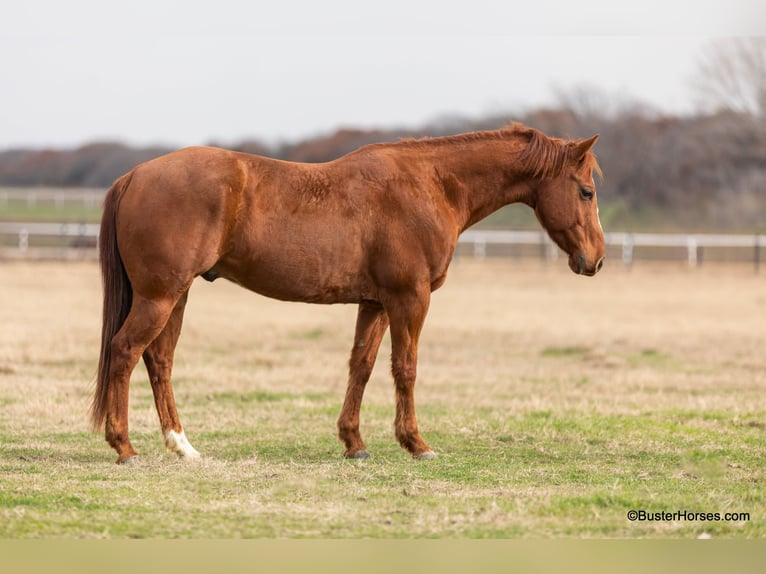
[(566, 206)]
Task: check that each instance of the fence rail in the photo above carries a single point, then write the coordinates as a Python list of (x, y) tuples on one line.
[(17, 237), (693, 244), (23, 240)]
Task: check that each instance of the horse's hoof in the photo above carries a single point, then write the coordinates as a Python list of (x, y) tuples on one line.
[(130, 461), (428, 455), (358, 455), (179, 444)]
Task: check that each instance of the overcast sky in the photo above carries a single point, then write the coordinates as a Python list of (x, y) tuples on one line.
[(186, 72)]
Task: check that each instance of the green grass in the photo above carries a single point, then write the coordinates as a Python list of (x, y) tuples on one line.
[(259, 396), (48, 211), (564, 351), (538, 474)]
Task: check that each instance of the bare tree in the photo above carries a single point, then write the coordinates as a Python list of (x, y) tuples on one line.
[(589, 102), (731, 75), (585, 101)]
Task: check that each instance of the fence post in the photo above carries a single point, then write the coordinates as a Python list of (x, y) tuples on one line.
[(627, 250), (23, 239), (691, 246), (553, 251), (480, 248)]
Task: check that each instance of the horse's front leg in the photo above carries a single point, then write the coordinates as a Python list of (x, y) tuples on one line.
[(371, 324), (407, 313)]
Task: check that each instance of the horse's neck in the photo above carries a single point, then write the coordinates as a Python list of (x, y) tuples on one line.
[(479, 180)]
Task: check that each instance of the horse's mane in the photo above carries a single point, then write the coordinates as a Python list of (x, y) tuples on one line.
[(545, 157), (542, 157)]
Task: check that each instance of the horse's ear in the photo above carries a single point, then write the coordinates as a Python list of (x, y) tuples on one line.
[(581, 147)]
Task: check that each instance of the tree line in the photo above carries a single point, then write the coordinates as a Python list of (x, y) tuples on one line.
[(704, 170)]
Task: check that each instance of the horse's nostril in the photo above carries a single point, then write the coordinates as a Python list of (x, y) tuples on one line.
[(599, 264)]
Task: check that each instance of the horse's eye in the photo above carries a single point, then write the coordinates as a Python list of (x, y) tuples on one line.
[(586, 193)]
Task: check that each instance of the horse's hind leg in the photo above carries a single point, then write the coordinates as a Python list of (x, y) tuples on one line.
[(371, 324), (158, 358), (145, 321)]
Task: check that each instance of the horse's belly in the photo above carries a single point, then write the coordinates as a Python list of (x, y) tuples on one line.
[(303, 278)]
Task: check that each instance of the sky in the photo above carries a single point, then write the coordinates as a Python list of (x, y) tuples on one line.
[(188, 72)]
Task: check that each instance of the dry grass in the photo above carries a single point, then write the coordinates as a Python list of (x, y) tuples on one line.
[(557, 403)]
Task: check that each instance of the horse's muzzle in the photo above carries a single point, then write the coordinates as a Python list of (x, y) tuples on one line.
[(580, 266)]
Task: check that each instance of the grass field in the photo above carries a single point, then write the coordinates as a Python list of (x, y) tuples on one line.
[(556, 404), (60, 205)]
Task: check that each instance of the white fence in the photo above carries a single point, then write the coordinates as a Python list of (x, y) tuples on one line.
[(60, 237), (693, 245), (48, 240)]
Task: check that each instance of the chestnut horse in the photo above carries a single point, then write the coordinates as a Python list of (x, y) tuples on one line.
[(377, 227)]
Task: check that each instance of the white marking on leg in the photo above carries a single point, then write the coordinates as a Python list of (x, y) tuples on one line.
[(179, 444)]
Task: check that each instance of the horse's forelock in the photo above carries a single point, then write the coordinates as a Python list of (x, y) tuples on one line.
[(594, 166)]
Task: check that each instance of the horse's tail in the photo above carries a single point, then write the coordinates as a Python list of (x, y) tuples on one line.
[(118, 295)]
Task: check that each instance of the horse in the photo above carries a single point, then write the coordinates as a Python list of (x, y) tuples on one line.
[(377, 228)]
